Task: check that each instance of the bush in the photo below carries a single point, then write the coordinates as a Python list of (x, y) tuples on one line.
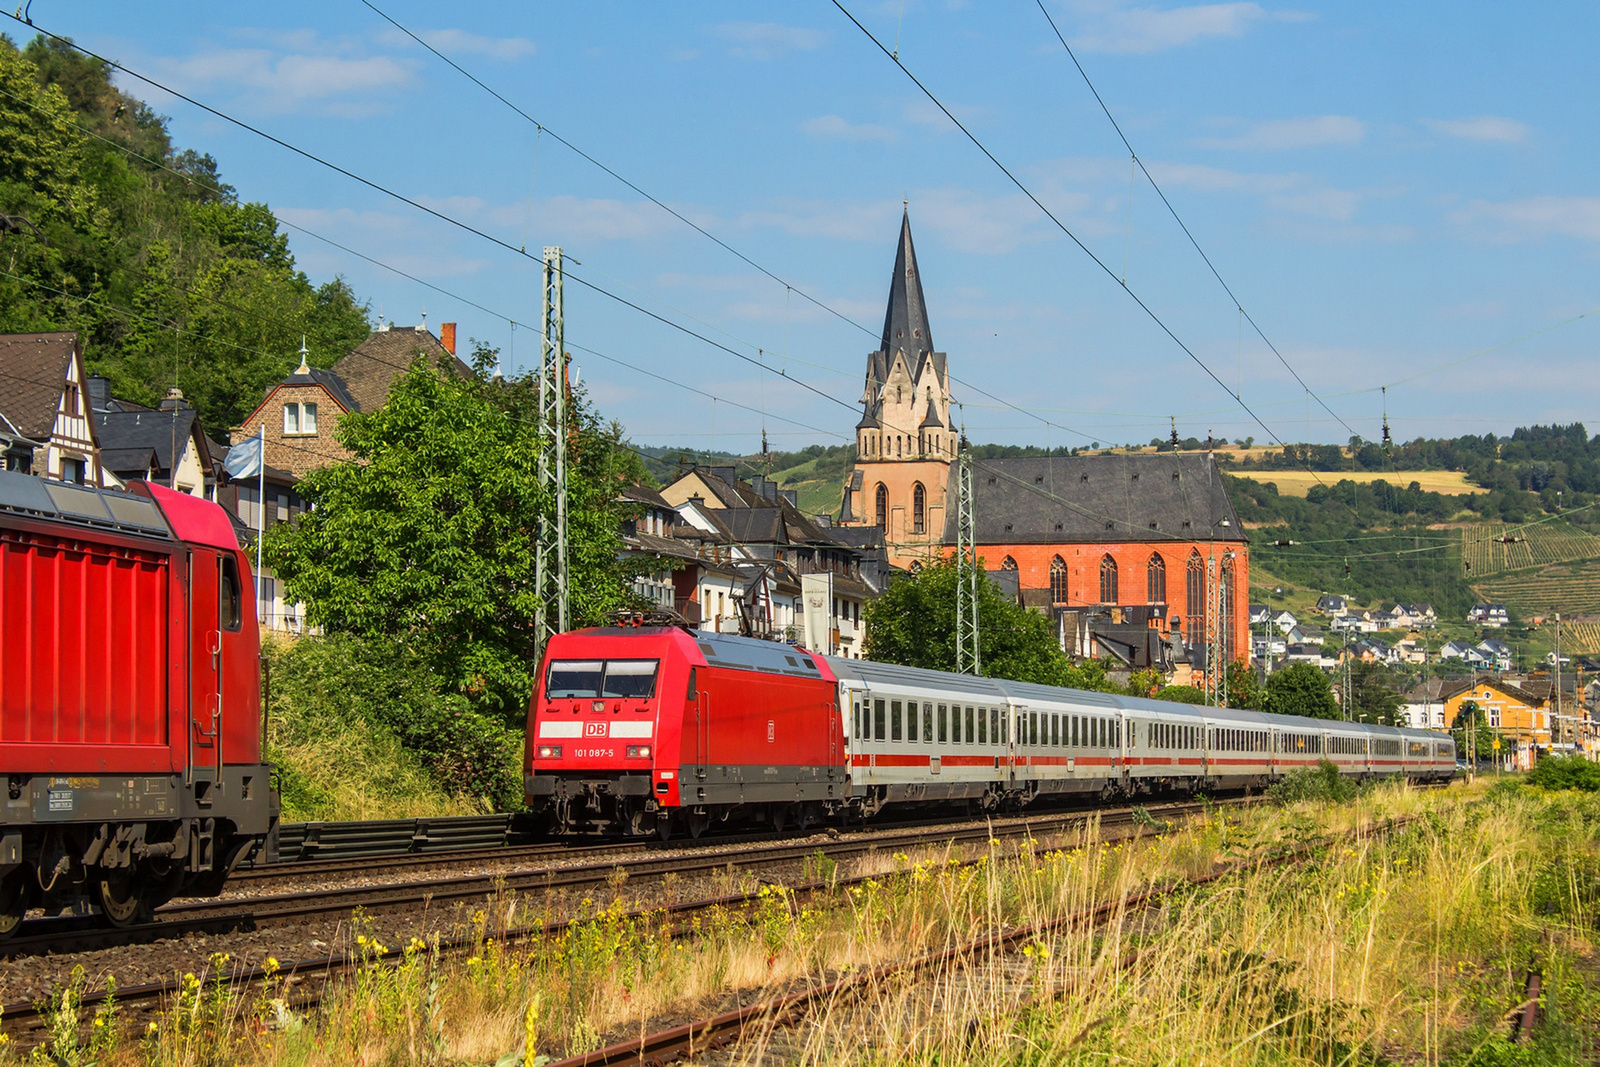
[(1320, 783), (365, 718), (1181, 694), (1565, 772)]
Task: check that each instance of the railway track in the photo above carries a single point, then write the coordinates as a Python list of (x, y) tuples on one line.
[(725, 1029), (311, 975), (226, 915)]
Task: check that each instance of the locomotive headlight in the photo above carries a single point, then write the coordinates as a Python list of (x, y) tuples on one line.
[(549, 751), (598, 705), (638, 752)]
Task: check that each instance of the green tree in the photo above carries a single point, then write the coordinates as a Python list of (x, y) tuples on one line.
[(914, 624), (1373, 697), (1301, 689), (427, 536), (1244, 688), (143, 250), (1182, 694)]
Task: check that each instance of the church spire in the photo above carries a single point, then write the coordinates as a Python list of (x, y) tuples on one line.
[(905, 323)]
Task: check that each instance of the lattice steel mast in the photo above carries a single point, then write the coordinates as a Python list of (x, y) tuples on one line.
[(550, 563), (968, 660)]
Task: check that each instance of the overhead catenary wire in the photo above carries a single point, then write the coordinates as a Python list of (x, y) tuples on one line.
[(1183, 225), (1023, 188), (743, 257)]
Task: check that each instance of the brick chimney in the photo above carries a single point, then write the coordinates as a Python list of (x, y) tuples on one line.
[(447, 336)]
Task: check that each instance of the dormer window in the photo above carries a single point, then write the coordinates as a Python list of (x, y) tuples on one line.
[(300, 419)]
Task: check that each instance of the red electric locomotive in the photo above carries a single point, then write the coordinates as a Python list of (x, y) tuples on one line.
[(130, 700), (629, 725)]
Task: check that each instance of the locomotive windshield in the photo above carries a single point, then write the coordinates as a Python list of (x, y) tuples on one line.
[(618, 678)]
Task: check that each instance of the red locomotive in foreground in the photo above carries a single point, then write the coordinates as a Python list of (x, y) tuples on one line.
[(130, 700), (652, 729)]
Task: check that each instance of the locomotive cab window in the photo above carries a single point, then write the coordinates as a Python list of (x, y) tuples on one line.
[(231, 590), (620, 679)]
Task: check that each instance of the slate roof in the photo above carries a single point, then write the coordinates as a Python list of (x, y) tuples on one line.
[(1151, 498), (755, 525), (34, 367), (154, 431), (369, 371), (905, 329), (331, 382)]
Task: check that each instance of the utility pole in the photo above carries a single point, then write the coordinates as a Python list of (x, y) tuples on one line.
[(1555, 722), (550, 563), (968, 660)]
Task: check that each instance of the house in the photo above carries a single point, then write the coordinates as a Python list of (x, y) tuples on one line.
[(1492, 615), (1385, 620), (1454, 650), (648, 534), (795, 580), (1331, 605), (45, 424), (1424, 706), (1260, 615), (1521, 718), (1497, 654), (1412, 652), (1285, 621), (1415, 616), (1550, 658), (166, 444)]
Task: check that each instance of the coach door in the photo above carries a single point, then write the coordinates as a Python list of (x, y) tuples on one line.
[(702, 726), (205, 665)]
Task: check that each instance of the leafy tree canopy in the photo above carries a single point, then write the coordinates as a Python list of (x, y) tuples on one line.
[(1301, 689), (428, 534), (143, 250)]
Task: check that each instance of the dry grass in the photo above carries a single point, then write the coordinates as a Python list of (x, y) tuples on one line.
[(1407, 948)]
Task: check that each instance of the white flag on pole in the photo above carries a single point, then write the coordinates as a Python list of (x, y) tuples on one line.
[(244, 459)]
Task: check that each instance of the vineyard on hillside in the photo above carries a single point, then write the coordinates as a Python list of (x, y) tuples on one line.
[(1551, 542), (1555, 567), (1580, 638)]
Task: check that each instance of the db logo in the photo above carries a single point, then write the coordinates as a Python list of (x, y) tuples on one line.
[(594, 729)]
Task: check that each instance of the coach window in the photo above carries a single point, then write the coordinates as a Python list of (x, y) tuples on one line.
[(879, 725), (894, 720), (855, 719), (944, 724), (994, 725), (971, 733), (983, 727), (911, 720), (927, 722)]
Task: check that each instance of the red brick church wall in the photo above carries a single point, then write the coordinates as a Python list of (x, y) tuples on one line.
[(1083, 576)]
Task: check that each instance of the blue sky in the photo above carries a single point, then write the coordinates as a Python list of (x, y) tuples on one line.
[(1388, 189)]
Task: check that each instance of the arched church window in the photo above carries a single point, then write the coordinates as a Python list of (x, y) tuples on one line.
[(1108, 580), (1155, 579), (899, 446), (1058, 581), (881, 506), (919, 505), (1194, 595), (1008, 564)]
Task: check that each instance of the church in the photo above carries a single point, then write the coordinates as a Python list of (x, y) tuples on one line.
[(1137, 557)]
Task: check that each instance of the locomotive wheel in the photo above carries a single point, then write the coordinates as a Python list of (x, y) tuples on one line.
[(664, 826), (13, 905), (698, 824), (119, 898)]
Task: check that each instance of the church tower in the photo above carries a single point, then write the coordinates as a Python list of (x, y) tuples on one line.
[(905, 441)]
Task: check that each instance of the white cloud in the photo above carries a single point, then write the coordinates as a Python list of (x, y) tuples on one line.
[(1487, 128), (836, 128), (329, 75), (462, 42), (1139, 30), (1534, 216), (924, 113), (1309, 132), (767, 40)]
